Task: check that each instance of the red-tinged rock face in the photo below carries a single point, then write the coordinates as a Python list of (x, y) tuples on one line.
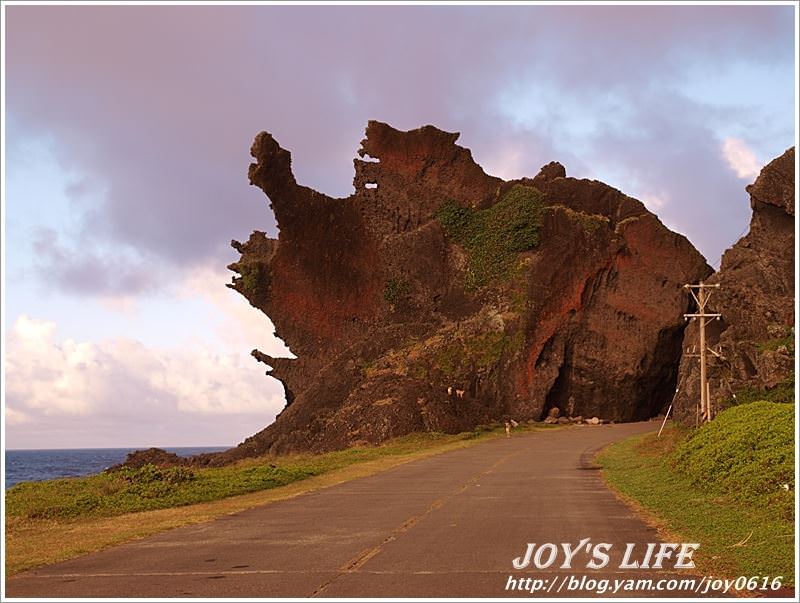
[(438, 298), (756, 299)]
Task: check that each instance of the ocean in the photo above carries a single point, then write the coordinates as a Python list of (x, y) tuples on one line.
[(35, 465)]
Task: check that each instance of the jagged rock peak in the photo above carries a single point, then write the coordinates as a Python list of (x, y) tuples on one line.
[(756, 299), (434, 278), (775, 183)]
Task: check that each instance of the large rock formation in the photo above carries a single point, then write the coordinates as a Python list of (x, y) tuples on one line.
[(520, 296), (755, 298)]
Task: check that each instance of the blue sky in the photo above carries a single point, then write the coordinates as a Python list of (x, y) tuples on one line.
[(128, 132)]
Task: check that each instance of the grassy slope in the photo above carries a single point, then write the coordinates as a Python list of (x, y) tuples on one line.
[(52, 521), (742, 524), (129, 491)]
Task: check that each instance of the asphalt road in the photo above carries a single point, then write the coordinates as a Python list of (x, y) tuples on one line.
[(445, 526)]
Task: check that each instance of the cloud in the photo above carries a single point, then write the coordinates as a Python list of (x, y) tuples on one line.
[(151, 111), (160, 131), (235, 323), (654, 202), (15, 417), (43, 377), (89, 271), (741, 158), (51, 383), (683, 167)]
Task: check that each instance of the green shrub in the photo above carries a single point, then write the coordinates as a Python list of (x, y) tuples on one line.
[(747, 453), (149, 473), (458, 221), (739, 536), (396, 290), (492, 237)]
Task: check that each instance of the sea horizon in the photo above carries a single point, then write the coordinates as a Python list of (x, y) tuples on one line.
[(39, 464)]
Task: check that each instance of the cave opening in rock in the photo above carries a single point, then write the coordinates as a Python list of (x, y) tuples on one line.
[(558, 394), (657, 386)]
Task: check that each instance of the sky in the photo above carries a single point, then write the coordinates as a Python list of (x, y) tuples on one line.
[(127, 132)]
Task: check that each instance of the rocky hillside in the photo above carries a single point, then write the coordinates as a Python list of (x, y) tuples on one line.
[(755, 298), (437, 297)]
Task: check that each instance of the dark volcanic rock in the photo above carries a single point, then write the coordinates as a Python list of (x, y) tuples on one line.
[(151, 456), (534, 294), (755, 298)]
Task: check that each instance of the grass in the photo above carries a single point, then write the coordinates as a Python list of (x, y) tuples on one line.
[(132, 490), (56, 520), (492, 237), (746, 454), (720, 485)]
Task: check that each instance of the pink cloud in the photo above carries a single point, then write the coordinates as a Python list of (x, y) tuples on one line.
[(157, 105), (741, 158)]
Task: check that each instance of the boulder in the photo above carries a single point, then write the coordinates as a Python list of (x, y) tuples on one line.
[(150, 456)]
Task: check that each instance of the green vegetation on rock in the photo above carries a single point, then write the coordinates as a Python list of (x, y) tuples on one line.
[(492, 237), (783, 392), (252, 278), (774, 344), (589, 222), (396, 290), (478, 352)]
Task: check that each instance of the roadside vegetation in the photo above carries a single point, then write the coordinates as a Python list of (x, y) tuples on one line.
[(149, 487), (55, 520), (728, 485)]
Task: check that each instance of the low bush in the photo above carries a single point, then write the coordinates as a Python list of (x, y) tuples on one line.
[(746, 453)]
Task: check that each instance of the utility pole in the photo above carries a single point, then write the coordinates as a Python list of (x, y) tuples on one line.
[(701, 298)]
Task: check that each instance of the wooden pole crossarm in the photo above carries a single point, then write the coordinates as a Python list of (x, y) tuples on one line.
[(701, 299)]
